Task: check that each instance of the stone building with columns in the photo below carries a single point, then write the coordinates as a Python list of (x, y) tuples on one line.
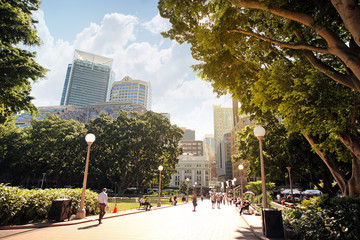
[(195, 168)]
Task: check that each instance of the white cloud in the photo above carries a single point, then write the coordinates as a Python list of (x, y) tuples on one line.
[(115, 31), (157, 24)]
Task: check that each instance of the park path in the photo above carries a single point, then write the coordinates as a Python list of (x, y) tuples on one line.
[(178, 222)]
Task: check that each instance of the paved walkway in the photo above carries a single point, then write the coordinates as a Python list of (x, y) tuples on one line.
[(178, 222)]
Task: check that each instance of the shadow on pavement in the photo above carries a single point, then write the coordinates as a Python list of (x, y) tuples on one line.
[(87, 227)]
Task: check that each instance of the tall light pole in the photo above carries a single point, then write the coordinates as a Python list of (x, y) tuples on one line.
[(234, 184), (291, 189), (195, 192), (81, 213), (241, 167), (42, 181), (259, 132), (159, 202), (187, 189)]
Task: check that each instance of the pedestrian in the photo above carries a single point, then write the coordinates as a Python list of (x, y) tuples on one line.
[(103, 203), (213, 200), (144, 202), (218, 201), (245, 206), (194, 200)]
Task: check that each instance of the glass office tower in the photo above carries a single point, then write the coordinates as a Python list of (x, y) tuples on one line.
[(88, 80), (130, 90)]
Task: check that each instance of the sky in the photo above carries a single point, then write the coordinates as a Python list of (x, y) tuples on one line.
[(129, 33)]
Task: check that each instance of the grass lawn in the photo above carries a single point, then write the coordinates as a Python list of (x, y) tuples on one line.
[(131, 203)]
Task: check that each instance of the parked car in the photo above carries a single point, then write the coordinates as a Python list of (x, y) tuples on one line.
[(311, 192)]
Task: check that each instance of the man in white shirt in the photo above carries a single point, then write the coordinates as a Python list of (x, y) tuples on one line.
[(103, 202)]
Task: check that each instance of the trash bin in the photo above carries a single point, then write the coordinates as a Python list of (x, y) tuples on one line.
[(60, 210), (272, 223)]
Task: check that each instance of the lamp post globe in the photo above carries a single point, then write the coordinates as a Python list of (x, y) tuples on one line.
[(90, 138)]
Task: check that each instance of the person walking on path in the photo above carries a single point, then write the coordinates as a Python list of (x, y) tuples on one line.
[(194, 200), (103, 202)]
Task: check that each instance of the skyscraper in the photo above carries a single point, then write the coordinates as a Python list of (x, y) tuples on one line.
[(88, 80), (223, 124), (128, 89)]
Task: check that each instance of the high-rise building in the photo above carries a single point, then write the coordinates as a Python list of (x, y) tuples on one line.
[(223, 124), (88, 80), (130, 90), (189, 135), (209, 153)]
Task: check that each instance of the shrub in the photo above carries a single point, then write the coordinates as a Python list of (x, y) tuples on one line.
[(21, 206), (328, 218)]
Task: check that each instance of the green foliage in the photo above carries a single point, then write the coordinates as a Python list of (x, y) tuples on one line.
[(21, 206), (258, 199), (184, 186), (17, 66), (257, 186), (328, 218), (262, 58)]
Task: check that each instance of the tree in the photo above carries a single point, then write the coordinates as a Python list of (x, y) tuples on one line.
[(17, 66), (282, 149), (240, 48), (326, 33), (129, 149), (57, 147)]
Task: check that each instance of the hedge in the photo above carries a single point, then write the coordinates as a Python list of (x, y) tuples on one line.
[(22, 206), (327, 218)]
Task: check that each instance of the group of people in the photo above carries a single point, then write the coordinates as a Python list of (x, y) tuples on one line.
[(216, 199)]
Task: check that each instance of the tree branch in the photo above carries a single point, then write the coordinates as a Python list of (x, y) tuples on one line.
[(349, 12), (346, 80), (282, 44)]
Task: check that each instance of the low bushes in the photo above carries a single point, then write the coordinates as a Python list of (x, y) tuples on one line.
[(326, 218), (21, 206)]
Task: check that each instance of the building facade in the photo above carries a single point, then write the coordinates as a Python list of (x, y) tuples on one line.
[(195, 168), (88, 80), (130, 90), (189, 135), (223, 124), (193, 147), (224, 164), (209, 153), (80, 114)]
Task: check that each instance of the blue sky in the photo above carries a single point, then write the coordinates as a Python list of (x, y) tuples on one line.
[(129, 33)]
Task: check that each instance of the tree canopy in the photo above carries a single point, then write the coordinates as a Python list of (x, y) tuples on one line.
[(280, 57), (17, 65), (127, 151)]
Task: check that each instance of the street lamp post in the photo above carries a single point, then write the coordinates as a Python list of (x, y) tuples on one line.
[(81, 213), (187, 189), (234, 185), (241, 167), (291, 189), (159, 202), (260, 133), (42, 181)]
